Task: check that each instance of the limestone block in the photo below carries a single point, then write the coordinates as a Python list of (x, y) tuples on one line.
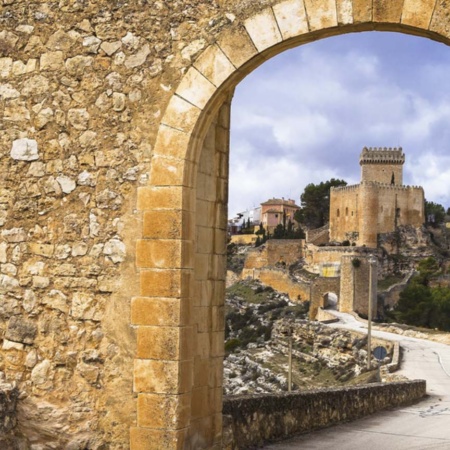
[(115, 250), (8, 283), (162, 377), (21, 330), (167, 224), (119, 101), (19, 68), (439, 20), (36, 85), (153, 439), (237, 46), (111, 47), (9, 269), (3, 252), (40, 282), (5, 67), (214, 65), (60, 40), (16, 111), (164, 253), (91, 43), (55, 299), (8, 39), (165, 197), (10, 345), (31, 358), (165, 283), (163, 411), (321, 14), (7, 91), (181, 114), (14, 235), (171, 142), (138, 58), (78, 118), (168, 171), (263, 30), (362, 11), (79, 248), (291, 18), (159, 311), (344, 11), (25, 150), (417, 13), (193, 49), (43, 118), (41, 249), (387, 11), (29, 301), (66, 183), (52, 60), (89, 372), (78, 64), (85, 307), (40, 373), (195, 88), (167, 343)]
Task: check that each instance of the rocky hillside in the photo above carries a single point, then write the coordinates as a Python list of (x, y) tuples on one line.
[(257, 326)]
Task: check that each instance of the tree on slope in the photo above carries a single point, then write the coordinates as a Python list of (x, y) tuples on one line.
[(315, 203)]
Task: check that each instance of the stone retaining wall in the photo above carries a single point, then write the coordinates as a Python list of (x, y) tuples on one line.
[(251, 421)]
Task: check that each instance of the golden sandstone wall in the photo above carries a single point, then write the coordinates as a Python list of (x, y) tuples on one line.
[(111, 241)]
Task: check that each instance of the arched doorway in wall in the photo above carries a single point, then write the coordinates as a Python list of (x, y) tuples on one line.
[(178, 367), (330, 301)]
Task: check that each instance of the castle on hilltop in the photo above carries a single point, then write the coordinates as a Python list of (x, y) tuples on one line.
[(379, 203)]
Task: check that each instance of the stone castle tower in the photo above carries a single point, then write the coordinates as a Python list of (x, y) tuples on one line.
[(379, 203)]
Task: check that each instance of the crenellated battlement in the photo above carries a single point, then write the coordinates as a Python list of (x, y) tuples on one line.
[(385, 155), (353, 187)]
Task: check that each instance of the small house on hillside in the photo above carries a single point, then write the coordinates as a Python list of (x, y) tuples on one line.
[(275, 210)]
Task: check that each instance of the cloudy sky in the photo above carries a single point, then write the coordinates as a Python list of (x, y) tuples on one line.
[(304, 116)]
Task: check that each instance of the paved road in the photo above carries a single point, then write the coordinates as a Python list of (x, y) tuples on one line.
[(424, 426)]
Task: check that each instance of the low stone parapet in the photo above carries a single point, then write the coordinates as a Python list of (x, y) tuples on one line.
[(252, 420)]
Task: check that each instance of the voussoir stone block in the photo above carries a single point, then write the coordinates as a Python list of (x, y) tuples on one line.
[(291, 18), (237, 46), (196, 88), (171, 142), (167, 171), (214, 65), (162, 197), (181, 114), (440, 19), (387, 11), (263, 30), (417, 13), (321, 14), (344, 11), (362, 11)]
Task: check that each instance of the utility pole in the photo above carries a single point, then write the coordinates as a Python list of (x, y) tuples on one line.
[(372, 260), (290, 361)]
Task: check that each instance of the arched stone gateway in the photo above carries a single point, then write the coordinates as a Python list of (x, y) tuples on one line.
[(189, 167), (83, 86)]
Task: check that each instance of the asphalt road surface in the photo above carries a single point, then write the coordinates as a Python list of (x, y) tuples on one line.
[(423, 426)]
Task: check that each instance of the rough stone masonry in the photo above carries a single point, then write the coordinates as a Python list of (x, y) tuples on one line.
[(114, 139)]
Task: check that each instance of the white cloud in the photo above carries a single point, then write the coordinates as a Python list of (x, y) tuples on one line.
[(305, 115)]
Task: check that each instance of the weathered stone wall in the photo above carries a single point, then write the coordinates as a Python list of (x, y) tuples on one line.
[(105, 107), (368, 209), (281, 281), (251, 421), (319, 287)]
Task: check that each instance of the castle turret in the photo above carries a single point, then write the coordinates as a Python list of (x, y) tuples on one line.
[(382, 165)]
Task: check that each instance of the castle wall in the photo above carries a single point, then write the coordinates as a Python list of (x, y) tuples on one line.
[(344, 212), (382, 173)]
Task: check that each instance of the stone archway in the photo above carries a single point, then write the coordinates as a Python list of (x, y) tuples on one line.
[(179, 316)]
